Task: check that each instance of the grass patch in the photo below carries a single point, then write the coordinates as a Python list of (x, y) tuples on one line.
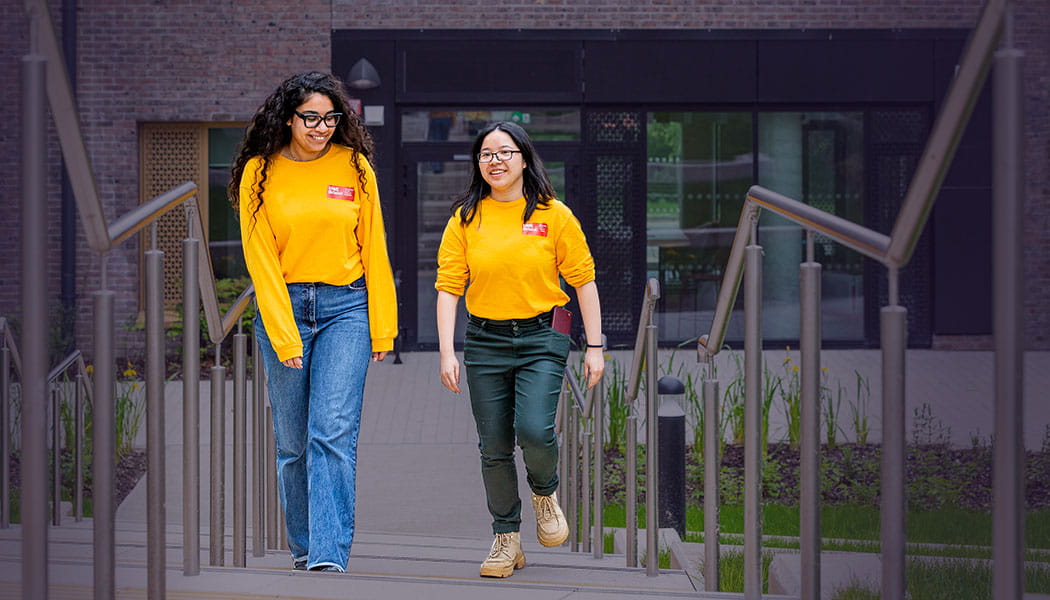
[(946, 526), (951, 579), (731, 571)]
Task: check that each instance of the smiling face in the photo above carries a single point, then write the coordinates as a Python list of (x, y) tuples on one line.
[(503, 176), (307, 143)]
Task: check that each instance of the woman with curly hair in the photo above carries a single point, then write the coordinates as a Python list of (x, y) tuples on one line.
[(511, 240), (315, 247)]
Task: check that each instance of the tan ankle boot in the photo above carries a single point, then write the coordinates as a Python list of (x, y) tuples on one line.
[(506, 555), (551, 528)]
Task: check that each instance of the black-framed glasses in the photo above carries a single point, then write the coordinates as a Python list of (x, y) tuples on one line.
[(313, 120), (501, 155)]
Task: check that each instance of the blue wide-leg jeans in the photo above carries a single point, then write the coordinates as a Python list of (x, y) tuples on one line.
[(317, 417), (514, 373)]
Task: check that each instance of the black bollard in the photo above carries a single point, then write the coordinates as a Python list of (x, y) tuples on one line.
[(671, 455)]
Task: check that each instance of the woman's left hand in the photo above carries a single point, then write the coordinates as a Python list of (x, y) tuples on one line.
[(593, 366), (379, 356)]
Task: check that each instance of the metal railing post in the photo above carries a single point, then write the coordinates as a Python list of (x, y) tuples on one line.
[(1008, 539), (585, 488), (652, 445), (753, 421), (273, 500), (155, 497), (56, 456), (217, 470), (630, 481), (598, 406), (191, 426), (809, 452), (34, 321), (572, 505), (712, 466), (5, 433), (78, 447), (103, 445), (240, 449), (894, 331), (258, 454)]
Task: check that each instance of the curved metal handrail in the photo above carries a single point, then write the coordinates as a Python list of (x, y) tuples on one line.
[(8, 340), (75, 359), (652, 294)]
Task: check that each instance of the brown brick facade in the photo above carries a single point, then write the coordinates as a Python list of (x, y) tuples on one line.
[(215, 61)]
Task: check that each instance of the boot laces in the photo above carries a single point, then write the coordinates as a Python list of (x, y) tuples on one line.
[(546, 506), (501, 545)]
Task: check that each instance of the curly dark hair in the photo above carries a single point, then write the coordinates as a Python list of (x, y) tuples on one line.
[(269, 132), (536, 185)]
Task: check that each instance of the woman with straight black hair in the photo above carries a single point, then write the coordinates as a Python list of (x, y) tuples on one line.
[(506, 246)]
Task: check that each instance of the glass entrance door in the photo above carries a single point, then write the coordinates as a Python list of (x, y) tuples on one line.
[(433, 177)]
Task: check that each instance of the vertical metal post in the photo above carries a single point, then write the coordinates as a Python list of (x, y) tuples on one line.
[(56, 455), (240, 449), (598, 404), (273, 500), (572, 507), (1008, 282), (259, 454), (78, 448), (584, 489), (217, 470), (630, 482), (103, 446), (5, 434), (894, 319), (652, 454), (155, 497), (191, 425), (34, 323), (753, 422), (809, 457), (712, 466)]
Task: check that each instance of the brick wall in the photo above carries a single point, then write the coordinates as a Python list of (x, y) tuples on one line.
[(144, 61)]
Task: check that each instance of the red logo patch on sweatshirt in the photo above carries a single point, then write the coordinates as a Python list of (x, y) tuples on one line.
[(339, 192), (539, 229)]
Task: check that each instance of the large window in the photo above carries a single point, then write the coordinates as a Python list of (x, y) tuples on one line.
[(818, 158), (224, 234), (699, 166)]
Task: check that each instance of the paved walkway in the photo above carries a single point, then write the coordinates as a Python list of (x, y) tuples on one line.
[(422, 523)]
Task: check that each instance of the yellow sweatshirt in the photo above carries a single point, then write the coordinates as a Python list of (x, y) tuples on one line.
[(513, 267), (318, 223)]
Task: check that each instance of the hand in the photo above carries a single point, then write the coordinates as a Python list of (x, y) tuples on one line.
[(296, 362), (593, 366), (379, 356), (450, 372)]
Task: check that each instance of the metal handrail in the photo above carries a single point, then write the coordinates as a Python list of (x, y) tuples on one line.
[(652, 294), (75, 359), (947, 130), (894, 252), (8, 342)]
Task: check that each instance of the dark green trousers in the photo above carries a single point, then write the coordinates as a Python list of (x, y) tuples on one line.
[(514, 374)]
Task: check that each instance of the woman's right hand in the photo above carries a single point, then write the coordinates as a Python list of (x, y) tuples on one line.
[(450, 372), (296, 362)]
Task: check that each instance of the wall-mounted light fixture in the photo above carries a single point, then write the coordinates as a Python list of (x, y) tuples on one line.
[(363, 75)]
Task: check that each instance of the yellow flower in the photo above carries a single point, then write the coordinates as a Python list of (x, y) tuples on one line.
[(789, 348), (825, 369), (129, 372), (796, 368), (90, 369)]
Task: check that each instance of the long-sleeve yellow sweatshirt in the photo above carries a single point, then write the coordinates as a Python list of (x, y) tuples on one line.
[(513, 267), (318, 223)]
